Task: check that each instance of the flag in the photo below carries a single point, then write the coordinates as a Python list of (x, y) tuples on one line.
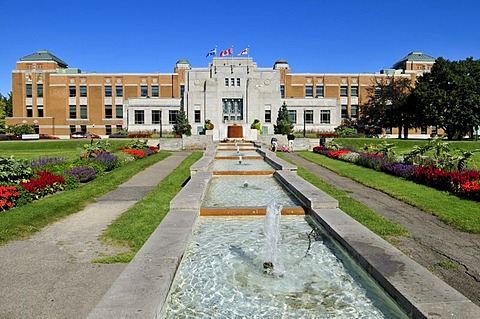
[(212, 52), (226, 52), (244, 52)]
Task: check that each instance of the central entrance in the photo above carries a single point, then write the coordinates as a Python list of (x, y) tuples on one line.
[(232, 110)]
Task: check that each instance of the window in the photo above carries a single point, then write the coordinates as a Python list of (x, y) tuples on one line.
[(232, 82), (226, 81), (119, 111), (309, 91), (108, 129), (29, 90), (139, 117), (434, 130), (268, 116), (388, 130), (29, 111), (83, 91), (344, 90), (324, 116), (353, 111), (292, 116), (39, 90), (72, 91), (39, 110), (143, 91), (118, 90), (282, 91), (197, 116), (423, 130), (309, 116), (155, 90), (238, 81), (344, 111), (73, 128), (156, 116), (108, 111), (108, 90), (119, 128), (172, 116), (73, 111), (83, 112), (83, 128), (36, 128), (319, 91), (354, 91), (182, 90)]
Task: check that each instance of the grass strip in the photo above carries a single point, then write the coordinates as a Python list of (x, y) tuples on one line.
[(459, 213), (133, 228), (24, 221), (357, 210)]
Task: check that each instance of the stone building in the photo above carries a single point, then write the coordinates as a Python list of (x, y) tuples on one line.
[(231, 92)]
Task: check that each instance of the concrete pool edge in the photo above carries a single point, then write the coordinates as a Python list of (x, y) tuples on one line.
[(142, 289)]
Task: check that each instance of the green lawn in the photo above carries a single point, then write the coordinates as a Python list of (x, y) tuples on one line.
[(459, 213), (357, 210), (69, 149), (24, 221)]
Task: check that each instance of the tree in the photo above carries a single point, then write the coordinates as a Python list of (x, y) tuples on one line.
[(449, 97), (388, 106), (181, 126), (284, 125), (5, 110)]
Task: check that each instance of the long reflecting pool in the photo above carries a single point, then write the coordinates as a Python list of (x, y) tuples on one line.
[(241, 165), (221, 275)]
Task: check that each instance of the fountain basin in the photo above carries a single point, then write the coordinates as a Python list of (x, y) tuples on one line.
[(321, 284)]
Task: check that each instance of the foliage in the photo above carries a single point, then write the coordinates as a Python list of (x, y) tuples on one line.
[(182, 126), (13, 171), (256, 125), (388, 105), (284, 126), (95, 148), (6, 110), (47, 162), (136, 144), (209, 125), (346, 131), (19, 129), (449, 97), (107, 160)]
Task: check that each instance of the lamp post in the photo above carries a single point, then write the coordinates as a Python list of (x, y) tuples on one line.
[(160, 123), (304, 123)]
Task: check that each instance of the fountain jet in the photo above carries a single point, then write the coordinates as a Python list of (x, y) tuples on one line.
[(272, 265)]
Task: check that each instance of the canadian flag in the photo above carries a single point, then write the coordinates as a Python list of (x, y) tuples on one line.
[(226, 52), (244, 52)]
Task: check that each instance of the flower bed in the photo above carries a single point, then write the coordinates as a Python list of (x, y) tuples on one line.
[(464, 183), (22, 182)]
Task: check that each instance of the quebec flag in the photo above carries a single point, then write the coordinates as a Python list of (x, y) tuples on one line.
[(212, 52)]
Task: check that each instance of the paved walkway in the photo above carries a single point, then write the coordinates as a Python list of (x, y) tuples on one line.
[(432, 241), (51, 275)]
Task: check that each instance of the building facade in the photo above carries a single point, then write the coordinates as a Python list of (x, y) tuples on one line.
[(230, 91)]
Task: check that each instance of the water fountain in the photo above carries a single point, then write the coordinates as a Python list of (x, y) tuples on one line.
[(234, 267)]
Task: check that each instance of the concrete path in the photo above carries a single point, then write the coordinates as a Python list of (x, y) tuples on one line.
[(51, 275), (432, 241)]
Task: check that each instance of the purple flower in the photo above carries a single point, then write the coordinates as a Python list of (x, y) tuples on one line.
[(47, 161), (399, 169), (107, 160), (82, 174)]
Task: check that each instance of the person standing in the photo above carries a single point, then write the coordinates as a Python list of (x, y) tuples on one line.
[(290, 138)]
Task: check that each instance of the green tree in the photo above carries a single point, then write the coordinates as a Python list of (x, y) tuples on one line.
[(182, 126), (5, 110), (257, 126), (388, 106), (284, 125), (449, 97)]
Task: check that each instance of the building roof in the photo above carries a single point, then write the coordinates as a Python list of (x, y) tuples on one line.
[(183, 61), (414, 56), (44, 55)]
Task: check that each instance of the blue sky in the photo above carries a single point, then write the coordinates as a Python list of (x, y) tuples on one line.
[(314, 36)]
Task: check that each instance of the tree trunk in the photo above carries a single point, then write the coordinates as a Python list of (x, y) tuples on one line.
[(399, 132)]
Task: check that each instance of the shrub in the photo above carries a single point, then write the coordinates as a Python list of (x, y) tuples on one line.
[(13, 171)]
